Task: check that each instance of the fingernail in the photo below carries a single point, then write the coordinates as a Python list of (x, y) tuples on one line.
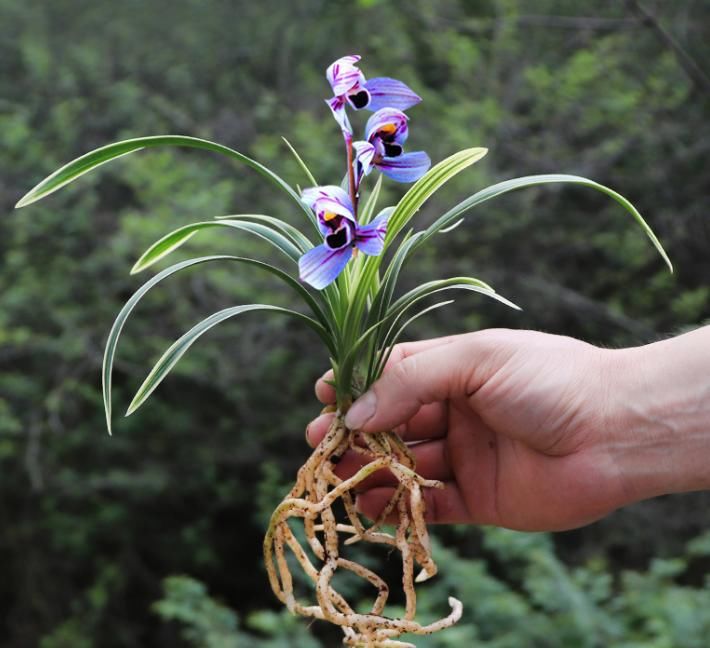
[(362, 410)]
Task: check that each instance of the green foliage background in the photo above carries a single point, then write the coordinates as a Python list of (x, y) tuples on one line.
[(92, 526)]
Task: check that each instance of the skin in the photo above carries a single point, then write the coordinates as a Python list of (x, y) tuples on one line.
[(533, 431)]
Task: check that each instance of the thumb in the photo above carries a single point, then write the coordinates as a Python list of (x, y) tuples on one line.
[(454, 370)]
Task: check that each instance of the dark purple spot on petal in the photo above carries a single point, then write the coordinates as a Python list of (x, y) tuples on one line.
[(360, 99), (392, 150), (337, 239)]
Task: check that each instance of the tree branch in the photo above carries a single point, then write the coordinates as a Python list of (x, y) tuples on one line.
[(694, 72)]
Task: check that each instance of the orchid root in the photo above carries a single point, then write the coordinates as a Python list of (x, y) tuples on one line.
[(312, 500)]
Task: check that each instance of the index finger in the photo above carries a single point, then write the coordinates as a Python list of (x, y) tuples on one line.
[(325, 392)]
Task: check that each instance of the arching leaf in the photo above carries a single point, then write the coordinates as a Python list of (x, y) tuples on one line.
[(301, 240), (122, 317), (81, 165), (430, 182), (170, 358), (393, 335), (172, 241), (450, 217)]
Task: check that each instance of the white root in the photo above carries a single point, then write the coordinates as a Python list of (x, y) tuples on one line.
[(312, 498)]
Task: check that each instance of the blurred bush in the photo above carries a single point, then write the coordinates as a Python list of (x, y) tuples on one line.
[(91, 525), (519, 594)]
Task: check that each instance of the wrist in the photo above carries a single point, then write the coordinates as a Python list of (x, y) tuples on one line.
[(659, 415)]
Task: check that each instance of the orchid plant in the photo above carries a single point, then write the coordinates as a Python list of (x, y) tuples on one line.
[(349, 290)]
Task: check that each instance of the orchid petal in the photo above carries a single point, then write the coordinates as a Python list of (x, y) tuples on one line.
[(390, 119), (329, 205), (343, 75), (321, 265), (311, 195), (370, 238), (405, 168), (364, 155), (329, 198), (390, 93), (337, 107)]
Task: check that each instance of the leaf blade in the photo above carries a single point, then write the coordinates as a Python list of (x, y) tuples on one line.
[(301, 163), (93, 159), (513, 184), (300, 239), (173, 354), (430, 182), (129, 306), (178, 237)]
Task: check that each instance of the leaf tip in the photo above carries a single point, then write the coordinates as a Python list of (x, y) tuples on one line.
[(477, 151), (669, 263), (109, 427), (24, 201), (137, 267), (132, 408)]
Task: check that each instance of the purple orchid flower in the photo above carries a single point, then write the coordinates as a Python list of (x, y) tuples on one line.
[(386, 132), (342, 235), (350, 87)]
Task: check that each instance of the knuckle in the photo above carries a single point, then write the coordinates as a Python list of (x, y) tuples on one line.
[(401, 373)]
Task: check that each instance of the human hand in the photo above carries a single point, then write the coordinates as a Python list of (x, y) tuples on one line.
[(527, 430)]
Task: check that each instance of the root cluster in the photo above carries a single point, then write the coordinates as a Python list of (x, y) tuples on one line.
[(312, 499)]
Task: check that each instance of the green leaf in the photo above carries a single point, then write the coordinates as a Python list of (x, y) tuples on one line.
[(365, 281), (172, 241), (431, 287), (330, 293), (170, 358), (385, 327), (406, 301), (393, 335), (300, 239), (384, 295), (449, 218), (427, 185), (117, 328), (365, 216), (81, 165), (301, 163)]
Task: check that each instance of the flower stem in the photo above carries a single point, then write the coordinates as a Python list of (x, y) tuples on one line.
[(351, 171)]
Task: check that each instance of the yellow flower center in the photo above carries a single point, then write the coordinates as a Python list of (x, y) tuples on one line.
[(328, 216), (388, 129)]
